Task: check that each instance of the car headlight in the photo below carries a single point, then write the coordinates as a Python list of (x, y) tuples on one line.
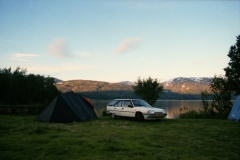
[(150, 112)]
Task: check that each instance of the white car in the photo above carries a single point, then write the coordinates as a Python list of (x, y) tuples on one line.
[(137, 108)]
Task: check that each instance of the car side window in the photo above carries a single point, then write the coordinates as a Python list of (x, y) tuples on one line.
[(126, 103), (118, 104)]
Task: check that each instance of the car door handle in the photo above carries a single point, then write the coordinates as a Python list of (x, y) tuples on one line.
[(114, 107), (122, 108)]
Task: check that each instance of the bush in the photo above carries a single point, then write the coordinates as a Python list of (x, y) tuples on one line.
[(201, 114), (104, 114), (189, 115)]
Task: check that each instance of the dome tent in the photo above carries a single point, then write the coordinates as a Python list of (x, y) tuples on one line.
[(235, 112), (68, 107)]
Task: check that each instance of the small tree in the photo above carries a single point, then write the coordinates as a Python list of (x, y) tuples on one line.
[(205, 96), (220, 94), (148, 89), (232, 72), (222, 88)]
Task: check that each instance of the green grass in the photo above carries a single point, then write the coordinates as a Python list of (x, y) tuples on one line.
[(104, 138)]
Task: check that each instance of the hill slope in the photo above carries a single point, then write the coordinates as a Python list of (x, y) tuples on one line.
[(187, 85)]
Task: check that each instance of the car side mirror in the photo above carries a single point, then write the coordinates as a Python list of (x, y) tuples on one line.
[(130, 106)]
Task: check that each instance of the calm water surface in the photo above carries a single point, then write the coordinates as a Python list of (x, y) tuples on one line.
[(172, 107)]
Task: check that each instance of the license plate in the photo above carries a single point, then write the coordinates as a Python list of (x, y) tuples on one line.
[(159, 115)]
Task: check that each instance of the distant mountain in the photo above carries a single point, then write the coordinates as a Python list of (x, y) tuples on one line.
[(191, 85), (97, 89), (177, 88), (190, 79), (126, 83), (57, 80), (185, 87), (90, 86)]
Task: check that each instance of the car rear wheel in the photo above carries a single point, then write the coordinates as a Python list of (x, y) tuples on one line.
[(139, 117), (113, 116)]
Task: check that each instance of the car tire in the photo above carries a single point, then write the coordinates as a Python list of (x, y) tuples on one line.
[(139, 117), (113, 116)]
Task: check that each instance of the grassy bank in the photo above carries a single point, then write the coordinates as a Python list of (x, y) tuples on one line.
[(23, 138)]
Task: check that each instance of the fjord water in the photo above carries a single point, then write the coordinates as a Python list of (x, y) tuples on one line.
[(172, 107)]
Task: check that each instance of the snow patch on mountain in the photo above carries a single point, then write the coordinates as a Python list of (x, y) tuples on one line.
[(187, 79), (57, 80), (126, 83)]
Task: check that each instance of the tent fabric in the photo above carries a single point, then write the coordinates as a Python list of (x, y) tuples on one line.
[(235, 112), (68, 107), (89, 101)]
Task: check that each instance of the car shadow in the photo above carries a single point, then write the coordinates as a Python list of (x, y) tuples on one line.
[(134, 119)]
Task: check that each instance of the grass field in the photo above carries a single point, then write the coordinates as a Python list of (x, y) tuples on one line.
[(104, 138)]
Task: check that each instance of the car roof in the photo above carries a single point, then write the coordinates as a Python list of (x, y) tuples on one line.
[(127, 99)]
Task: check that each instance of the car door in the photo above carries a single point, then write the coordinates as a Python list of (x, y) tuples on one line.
[(110, 106), (127, 109), (118, 108)]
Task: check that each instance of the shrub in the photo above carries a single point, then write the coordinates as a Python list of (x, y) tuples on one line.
[(200, 114), (189, 115), (104, 114)]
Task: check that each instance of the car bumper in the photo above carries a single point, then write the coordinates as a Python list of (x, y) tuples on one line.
[(154, 116)]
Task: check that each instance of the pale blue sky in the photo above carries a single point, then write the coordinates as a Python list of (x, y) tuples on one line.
[(118, 40)]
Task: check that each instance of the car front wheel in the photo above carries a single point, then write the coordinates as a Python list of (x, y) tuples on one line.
[(113, 116), (139, 117)]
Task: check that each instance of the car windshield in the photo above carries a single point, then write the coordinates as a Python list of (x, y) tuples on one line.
[(140, 103)]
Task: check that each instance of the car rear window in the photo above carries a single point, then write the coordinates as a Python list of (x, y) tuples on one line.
[(112, 103)]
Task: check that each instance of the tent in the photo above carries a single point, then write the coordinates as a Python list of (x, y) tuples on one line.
[(68, 107), (235, 112)]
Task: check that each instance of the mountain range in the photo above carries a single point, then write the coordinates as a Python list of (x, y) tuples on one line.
[(185, 85), (180, 88)]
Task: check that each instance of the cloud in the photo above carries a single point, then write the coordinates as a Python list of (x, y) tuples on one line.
[(59, 48), (9, 41), (63, 68), (220, 58), (23, 57), (127, 45), (83, 55), (198, 62), (211, 60), (20, 55)]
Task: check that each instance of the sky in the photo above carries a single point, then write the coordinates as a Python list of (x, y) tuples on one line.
[(118, 40)]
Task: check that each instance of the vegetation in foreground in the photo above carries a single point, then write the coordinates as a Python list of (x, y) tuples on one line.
[(104, 138)]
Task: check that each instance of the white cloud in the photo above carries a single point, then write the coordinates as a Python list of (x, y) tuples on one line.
[(127, 45), (83, 55), (198, 62), (220, 58), (23, 57), (20, 55), (211, 60), (9, 41), (62, 68), (59, 48)]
